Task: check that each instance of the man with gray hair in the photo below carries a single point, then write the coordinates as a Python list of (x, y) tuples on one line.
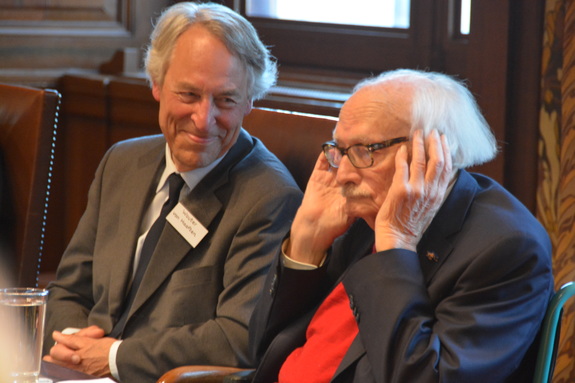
[(401, 266), (169, 258)]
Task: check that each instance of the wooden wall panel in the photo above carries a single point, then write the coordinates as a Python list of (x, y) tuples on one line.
[(41, 40), (17, 11)]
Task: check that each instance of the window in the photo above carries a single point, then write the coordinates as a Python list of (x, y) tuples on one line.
[(365, 36), (465, 17), (374, 13)]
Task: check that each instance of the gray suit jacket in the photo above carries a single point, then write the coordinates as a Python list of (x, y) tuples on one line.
[(469, 314), (194, 304)]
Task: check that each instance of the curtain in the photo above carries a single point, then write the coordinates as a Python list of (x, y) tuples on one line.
[(556, 189)]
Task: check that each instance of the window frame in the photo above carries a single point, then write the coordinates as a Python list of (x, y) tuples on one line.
[(349, 47)]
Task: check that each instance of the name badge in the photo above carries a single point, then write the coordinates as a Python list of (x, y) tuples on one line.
[(187, 225)]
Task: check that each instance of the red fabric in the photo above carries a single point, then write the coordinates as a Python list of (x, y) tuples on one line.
[(328, 337)]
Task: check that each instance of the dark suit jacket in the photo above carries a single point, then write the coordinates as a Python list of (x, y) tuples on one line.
[(194, 304), (467, 314)]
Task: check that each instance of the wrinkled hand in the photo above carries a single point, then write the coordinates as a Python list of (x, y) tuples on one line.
[(86, 351), (416, 193), (321, 217)]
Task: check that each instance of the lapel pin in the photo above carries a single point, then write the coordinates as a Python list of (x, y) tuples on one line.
[(432, 257)]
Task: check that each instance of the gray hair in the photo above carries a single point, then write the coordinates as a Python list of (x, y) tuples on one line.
[(440, 102), (238, 35)]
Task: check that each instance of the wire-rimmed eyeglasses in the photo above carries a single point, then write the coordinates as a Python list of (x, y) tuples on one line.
[(360, 155)]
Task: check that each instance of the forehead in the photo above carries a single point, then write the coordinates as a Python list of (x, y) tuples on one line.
[(375, 113), (199, 57)]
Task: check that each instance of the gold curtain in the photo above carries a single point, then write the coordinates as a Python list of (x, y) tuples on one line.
[(556, 192)]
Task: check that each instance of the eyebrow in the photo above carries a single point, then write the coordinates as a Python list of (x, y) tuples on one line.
[(234, 92), (363, 140), (186, 87)]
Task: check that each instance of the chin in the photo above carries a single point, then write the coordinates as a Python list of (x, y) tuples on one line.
[(360, 211), (354, 211), (195, 162)]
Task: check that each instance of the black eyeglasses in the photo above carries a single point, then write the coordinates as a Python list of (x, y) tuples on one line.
[(359, 155)]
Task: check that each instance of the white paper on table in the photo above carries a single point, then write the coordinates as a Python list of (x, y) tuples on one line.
[(101, 380)]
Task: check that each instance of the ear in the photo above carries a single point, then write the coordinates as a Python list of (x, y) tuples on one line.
[(249, 107), (156, 91)]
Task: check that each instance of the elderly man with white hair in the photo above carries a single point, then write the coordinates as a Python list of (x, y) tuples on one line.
[(401, 266)]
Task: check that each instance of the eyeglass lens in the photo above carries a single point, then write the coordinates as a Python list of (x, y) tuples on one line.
[(359, 156)]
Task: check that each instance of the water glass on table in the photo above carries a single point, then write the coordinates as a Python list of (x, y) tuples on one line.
[(22, 316)]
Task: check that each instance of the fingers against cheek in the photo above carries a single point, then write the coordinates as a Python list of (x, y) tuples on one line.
[(321, 162), (446, 154), (436, 164), (417, 166), (401, 167)]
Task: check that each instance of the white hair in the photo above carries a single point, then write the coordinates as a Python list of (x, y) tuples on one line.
[(442, 103), (239, 36)]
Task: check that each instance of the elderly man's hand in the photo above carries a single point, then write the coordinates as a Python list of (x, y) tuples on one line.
[(321, 217), (416, 193), (86, 351)]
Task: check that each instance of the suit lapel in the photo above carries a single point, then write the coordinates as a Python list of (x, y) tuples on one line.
[(356, 350), (435, 245), (133, 207), (204, 204)]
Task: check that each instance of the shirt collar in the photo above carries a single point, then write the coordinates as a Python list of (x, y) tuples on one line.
[(192, 177)]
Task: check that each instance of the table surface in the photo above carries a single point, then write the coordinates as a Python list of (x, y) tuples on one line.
[(58, 373)]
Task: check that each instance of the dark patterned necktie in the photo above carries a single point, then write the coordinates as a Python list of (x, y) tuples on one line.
[(175, 183)]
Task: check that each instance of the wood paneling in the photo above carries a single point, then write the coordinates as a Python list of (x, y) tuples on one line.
[(97, 111), (41, 40)]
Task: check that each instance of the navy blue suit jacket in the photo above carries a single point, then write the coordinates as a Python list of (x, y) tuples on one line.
[(467, 307)]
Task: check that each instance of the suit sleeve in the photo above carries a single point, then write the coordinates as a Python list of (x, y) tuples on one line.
[(70, 298), (222, 339), (478, 332)]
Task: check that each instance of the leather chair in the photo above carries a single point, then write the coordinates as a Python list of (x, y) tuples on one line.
[(550, 334), (28, 120), (206, 374), (295, 138)]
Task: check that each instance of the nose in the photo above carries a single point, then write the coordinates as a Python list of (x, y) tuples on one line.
[(346, 172), (204, 114)]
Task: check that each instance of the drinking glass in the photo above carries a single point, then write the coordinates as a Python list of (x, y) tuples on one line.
[(22, 315)]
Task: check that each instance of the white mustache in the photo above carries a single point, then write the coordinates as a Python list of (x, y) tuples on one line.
[(353, 191)]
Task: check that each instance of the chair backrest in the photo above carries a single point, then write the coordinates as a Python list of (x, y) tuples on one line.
[(295, 138), (28, 120), (549, 333)]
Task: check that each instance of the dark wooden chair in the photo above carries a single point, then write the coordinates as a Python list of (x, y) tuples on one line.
[(206, 374), (28, 120), (296, 139)]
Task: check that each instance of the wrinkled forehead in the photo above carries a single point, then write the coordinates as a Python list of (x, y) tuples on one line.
[(375, 113)]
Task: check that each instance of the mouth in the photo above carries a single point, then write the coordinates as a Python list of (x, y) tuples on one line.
[(199, 140)]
